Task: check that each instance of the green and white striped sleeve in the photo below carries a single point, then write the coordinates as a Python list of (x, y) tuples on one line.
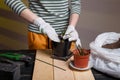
[(75, 6), (16, 5)]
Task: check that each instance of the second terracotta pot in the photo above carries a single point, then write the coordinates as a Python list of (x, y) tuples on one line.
[(80, 61)]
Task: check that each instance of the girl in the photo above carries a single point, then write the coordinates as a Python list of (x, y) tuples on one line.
[(48, 19)]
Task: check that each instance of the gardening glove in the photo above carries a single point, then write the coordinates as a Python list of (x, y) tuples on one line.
[(78, 42), (47, 29), (71, 34)]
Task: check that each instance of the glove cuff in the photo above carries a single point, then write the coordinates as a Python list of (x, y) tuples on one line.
[(71, 27), (38, 21)]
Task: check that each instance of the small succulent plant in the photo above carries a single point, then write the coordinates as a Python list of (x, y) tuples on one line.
[(82, 51)]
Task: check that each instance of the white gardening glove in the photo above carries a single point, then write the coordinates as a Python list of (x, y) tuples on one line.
[(78, 42), (72, 35), (46, 28)]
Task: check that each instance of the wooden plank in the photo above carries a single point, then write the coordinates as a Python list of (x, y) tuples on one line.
[(42, 70), (83, 75), (60, 74)]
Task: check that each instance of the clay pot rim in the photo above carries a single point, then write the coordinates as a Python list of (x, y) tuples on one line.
[(79, 54)]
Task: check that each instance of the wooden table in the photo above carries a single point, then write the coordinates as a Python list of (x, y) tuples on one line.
[(44, 71)]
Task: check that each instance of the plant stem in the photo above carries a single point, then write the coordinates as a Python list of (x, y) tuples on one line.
[(80, 50)]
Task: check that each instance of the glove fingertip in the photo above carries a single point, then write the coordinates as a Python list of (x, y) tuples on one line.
[(64, 37), (78, 43), (70, 39)]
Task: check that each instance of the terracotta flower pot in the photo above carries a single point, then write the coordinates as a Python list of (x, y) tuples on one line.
[(81, 61)]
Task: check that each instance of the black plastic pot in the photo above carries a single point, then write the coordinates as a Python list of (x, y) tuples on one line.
[(61, 50)]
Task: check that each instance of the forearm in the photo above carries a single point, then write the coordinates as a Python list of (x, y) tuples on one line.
[(28, 15), (75, 12), (74, 19), (20, 8)]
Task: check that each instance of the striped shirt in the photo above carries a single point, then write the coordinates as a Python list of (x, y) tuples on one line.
[(55, 12)]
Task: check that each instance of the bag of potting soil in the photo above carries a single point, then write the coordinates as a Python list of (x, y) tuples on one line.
[(105, 53)]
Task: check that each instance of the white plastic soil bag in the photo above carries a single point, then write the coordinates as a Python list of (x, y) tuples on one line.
[(104, 59)]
